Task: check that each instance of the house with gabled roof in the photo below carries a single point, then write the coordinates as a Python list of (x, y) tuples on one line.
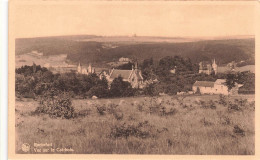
[(217, 87), (134, 76), (203, 87)]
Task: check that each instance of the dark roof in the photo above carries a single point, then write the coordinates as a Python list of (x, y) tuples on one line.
[(123, 73), (204, 84)]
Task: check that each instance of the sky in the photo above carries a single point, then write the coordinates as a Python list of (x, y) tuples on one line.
[(117, 18)]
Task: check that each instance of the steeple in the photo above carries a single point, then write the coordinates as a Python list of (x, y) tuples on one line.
[(79, 68), (215, 66), (89, 68)]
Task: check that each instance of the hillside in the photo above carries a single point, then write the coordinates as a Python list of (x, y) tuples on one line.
[(100, 50)]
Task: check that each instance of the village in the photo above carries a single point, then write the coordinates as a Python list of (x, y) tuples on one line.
[(135, 78), (123, 107)]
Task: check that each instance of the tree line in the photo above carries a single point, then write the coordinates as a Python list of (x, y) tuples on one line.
[(33, 81)]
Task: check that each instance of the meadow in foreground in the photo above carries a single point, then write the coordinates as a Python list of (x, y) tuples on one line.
[(208, 124)]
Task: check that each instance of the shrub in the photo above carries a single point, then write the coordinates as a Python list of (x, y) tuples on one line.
[(239, 131), (82, 113), (151, 90), (241, 102), (101, 110), (171, 112), (98, 91), (205, 122), (233, 106), (222, 100), (120, 88), (113, 109), (252, 105), (212, 104), (140, 107), (125, 131), (56, 106)]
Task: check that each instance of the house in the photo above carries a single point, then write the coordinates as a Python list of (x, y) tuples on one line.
[(217, 87), (134, 76), (220, 87), (123, 59), (203, 87), (207, 67)]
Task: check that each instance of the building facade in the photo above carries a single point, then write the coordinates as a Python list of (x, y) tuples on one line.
[(217, 87), (85, 70), (208, 68), (134, 76)]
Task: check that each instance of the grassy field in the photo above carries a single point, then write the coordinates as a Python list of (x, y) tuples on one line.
[(144, 125)]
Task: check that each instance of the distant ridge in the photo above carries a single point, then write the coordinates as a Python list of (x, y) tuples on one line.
[(101, 50)]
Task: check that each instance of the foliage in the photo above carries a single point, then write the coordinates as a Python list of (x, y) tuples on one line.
[(231, 81), (56, 105), (239, 131), (222, 100), (126, 130), (224, 51), (151, 90), (29, 70), (101, 109), (120, 88)]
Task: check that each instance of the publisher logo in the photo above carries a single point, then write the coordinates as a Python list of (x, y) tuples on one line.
[(25, 147)]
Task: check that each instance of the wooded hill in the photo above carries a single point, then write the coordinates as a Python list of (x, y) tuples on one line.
[(101, 52)]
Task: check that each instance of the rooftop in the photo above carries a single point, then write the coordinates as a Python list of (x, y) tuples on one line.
[(123, 73)]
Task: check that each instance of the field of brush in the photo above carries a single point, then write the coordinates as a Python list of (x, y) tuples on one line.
[(207, 124)]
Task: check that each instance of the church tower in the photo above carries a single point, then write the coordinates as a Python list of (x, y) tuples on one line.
[(215, 66), (79, 68), (89, 69)]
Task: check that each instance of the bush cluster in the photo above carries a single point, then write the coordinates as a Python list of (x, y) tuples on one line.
[(34, 81), (56, 106), (126, 130)]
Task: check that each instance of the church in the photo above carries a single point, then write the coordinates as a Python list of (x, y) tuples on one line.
[(133, 76), (208, 68), (85, 70)]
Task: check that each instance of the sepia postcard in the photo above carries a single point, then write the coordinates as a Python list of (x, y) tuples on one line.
[(133, 79)]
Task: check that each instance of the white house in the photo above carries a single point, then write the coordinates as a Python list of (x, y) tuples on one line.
[(217, 87), (123, 59), (220, 87), (203, 87)]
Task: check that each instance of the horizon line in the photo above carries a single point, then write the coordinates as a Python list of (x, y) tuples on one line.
[(136, 36)]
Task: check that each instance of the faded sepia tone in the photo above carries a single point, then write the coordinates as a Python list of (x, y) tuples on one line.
[(132, 78)]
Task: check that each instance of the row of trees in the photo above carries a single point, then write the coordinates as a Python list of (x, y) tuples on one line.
[(34, 81), (186, 74)]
